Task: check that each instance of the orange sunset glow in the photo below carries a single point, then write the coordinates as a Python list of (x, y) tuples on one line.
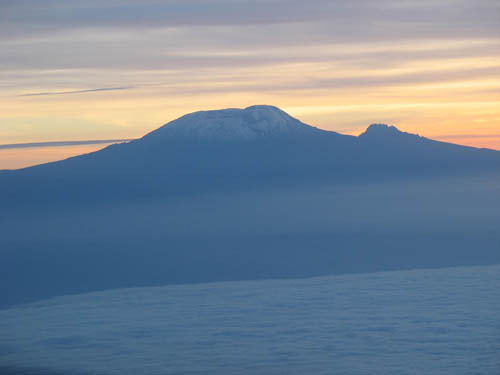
[(429, 75)]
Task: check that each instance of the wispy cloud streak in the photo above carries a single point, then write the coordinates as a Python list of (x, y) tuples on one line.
[(62, 143), (76, 91)]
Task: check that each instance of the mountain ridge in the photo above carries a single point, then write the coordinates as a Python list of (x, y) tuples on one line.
[(265, 124), (267, 138), (276, 151)]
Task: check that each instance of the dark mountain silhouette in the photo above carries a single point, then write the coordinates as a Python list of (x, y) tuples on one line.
[(239, 149), (244, 194)]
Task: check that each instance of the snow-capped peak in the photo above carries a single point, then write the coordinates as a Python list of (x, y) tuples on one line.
[(258, 121)]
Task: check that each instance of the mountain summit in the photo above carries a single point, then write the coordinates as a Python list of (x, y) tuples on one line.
[(233, 124), (259, 122)]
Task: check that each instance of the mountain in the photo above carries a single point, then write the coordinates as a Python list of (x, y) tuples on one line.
[(245, 194), (259, 146)]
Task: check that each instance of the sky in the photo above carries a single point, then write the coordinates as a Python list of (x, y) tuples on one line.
[(117, 69)]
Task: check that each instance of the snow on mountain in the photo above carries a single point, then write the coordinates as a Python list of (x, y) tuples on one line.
[(259, 121)]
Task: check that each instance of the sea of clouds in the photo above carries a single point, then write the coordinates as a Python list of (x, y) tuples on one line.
[(440, 321)]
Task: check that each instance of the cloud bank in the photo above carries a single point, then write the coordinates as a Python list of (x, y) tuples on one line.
[(410, 322)]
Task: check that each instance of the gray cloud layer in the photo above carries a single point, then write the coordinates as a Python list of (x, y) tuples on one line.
[(25, 17), (157, 34), (190, 34)]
